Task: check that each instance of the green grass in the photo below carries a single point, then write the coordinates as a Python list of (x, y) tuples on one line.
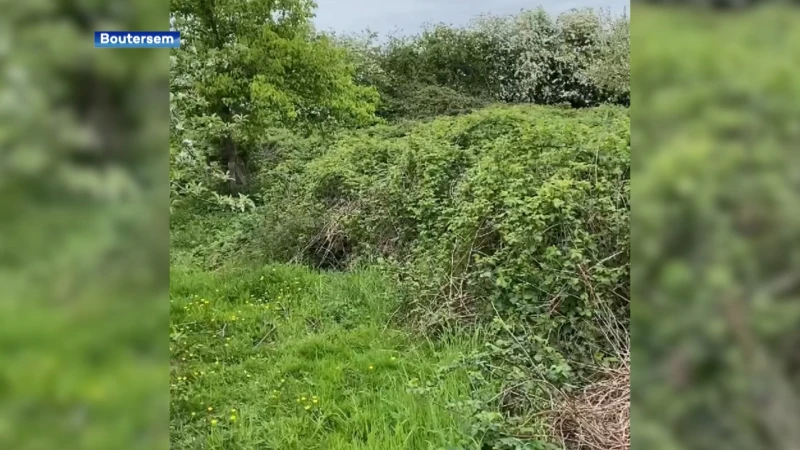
[(285, 358)]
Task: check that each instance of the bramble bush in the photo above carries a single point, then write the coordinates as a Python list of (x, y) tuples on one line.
[(519, 209)]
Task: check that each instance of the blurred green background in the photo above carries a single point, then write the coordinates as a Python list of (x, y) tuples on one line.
[(84, 216), (716, 227)]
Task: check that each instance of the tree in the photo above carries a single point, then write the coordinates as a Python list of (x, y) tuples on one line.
[(247, 65)]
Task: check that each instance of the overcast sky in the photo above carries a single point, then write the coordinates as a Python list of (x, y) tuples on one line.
[(408, 16)]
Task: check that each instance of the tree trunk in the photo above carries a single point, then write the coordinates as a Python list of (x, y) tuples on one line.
[(235, 166), (231, 160)]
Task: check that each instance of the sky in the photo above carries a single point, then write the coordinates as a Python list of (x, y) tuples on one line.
[(408, 16)]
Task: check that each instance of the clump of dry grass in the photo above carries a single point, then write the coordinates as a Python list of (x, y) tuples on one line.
[(598, 417), (331, 247)]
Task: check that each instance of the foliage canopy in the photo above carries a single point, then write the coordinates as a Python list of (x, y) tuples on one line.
[(243, 67)]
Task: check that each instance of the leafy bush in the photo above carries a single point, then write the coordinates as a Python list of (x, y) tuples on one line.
[(580, 57), (523, 209), (423, 101), (224, 93)]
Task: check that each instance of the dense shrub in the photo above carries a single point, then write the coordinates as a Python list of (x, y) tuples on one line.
[(520, 208), (580, 58), (418, 101), (225, 94)]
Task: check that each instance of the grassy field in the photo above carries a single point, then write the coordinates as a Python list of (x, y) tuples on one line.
[(286, 358)]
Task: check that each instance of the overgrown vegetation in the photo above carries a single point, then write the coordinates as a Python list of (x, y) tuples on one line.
[(580, 58), (500, 231)]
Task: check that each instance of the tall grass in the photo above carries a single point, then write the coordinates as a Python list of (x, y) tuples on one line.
[(286, 358)]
